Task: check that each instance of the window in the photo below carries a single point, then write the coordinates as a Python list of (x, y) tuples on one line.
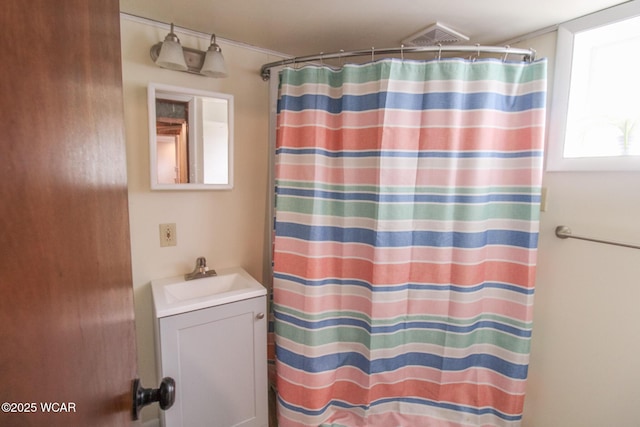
[(595, 111)]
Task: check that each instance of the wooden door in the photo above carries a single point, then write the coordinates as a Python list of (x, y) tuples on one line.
[(67, 341)]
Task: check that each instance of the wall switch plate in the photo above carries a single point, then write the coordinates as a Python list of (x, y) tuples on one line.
[(168, 235)]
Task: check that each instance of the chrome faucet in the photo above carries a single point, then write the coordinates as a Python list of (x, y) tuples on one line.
[(200, 270)]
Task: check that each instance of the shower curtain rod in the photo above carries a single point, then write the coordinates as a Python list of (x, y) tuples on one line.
[(529, 55)]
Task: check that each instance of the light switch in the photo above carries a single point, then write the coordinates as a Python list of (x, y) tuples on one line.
[(168, 235)]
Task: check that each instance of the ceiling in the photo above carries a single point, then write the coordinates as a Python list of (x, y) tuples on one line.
[(305, 27)]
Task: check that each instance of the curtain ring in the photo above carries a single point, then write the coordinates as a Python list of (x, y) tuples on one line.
[(439, 51), (321, 58), (340, 57), (373, 49), (504, 58), (478, 52), (402, 52)]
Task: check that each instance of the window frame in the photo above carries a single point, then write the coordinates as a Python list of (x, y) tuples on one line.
[(561, 93)]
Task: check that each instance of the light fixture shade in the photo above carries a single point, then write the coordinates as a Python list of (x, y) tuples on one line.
[(214, 65), (171, 55)]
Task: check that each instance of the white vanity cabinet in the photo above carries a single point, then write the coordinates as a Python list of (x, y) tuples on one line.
[(218, 358)]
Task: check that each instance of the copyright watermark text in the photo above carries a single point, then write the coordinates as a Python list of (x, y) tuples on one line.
[(46, 407)]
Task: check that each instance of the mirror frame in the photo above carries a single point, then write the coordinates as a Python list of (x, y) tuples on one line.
[(186, 93)]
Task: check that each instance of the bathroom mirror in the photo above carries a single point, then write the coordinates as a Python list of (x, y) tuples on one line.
[(190, 138)]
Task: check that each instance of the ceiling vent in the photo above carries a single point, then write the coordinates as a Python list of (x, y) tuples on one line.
[(433, 35)]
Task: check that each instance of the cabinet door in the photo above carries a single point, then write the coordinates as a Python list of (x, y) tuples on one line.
[(218, 358)]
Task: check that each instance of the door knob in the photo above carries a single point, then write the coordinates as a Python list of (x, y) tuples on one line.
[(165, 395)]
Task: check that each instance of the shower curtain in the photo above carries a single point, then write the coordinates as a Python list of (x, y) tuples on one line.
[(406, 229)]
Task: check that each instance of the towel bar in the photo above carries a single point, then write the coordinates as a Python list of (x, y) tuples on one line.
[(564, 232)]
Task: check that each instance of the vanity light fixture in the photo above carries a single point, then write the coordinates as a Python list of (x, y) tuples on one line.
[(213, 61), (172, 55)]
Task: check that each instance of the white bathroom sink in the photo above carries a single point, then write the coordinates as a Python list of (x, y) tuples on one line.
[(174, 295)]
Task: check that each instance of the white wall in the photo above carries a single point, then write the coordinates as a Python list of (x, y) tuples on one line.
[(227, 227), (585, 357)]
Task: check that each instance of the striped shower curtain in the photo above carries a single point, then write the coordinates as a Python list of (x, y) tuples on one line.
[(407, 204)]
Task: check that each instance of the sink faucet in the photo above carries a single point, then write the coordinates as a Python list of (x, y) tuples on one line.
[(200, 270)]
